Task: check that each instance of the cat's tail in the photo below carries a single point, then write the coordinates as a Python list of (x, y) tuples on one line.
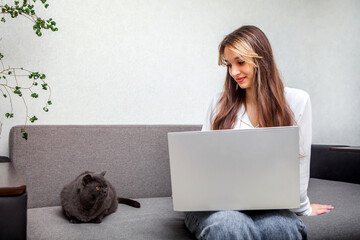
[(129, 202)]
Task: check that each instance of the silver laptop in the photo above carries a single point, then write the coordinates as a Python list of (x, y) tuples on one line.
[(235, 169)]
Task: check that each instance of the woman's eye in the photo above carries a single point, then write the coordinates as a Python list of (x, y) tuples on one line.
[(241, 63), (98, 188), (228, 65)]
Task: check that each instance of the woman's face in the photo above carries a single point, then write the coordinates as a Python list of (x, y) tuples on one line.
[(241, 71)]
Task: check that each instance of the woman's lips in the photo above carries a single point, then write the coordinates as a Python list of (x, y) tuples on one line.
[(240, 79)]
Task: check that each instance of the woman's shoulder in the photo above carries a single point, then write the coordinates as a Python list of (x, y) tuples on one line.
[(211, 112), (296, 97), (294, 94), (216, 99), (297, 100)]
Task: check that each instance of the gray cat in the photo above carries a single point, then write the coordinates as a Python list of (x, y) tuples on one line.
[(90, 197)]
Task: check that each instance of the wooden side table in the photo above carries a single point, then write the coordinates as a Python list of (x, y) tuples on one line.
[(11, 183), (13, 203)]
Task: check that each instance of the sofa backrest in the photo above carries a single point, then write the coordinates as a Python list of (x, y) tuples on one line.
[(135, 158)]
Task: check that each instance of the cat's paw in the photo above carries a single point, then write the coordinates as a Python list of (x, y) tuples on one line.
[(96, 220), (73, 220)]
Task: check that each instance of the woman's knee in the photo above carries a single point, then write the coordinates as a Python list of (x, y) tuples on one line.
[(222, 225), (279, 224)]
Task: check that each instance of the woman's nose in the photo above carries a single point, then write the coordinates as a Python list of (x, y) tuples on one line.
[(234, 71)]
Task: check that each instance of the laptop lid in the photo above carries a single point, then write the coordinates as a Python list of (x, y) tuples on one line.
[(242, 169)]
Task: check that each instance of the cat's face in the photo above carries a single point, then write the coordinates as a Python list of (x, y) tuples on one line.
[(94, 186)]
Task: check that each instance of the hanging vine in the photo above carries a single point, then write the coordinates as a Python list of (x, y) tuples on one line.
[(12, 79)]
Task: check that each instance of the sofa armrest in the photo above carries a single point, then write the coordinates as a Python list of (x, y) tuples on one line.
[(333, 162), (11, 183)]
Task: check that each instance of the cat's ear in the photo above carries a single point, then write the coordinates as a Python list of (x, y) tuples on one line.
[(103, 173), (87, 178)]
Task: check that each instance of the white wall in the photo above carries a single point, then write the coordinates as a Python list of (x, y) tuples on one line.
[(155, 62)]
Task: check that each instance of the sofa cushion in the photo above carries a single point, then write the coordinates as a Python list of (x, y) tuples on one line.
[(154, 220), (341, 223)]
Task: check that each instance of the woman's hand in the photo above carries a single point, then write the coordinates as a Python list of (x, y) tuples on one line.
[(318, 209)]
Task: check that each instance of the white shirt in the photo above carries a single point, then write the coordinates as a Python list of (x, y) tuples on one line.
[(299, 103)]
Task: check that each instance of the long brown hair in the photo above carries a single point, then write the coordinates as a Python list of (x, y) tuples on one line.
[(251, 44)]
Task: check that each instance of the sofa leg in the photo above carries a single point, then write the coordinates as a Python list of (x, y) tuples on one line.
[(13, 216)]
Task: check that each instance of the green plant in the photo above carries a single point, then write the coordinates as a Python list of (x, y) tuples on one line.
[(10, 77)]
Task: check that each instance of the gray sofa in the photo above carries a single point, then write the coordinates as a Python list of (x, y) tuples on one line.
[(136, 160)]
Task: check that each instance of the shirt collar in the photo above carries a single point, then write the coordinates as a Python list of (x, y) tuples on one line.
[(243, 119)]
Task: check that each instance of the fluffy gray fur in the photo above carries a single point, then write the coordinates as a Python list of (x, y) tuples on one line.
[(90, 197)]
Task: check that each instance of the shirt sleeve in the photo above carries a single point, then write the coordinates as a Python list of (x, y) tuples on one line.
[(305, 138), (207, 126)]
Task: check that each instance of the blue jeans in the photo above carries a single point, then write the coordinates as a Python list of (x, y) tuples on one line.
[(264, 224)]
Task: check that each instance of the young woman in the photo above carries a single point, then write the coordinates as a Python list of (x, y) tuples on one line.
[(254, 96)]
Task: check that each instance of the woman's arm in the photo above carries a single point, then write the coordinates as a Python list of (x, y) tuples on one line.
[(305, 140)]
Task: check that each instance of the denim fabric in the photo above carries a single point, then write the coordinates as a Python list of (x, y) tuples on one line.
[(265, 225)]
